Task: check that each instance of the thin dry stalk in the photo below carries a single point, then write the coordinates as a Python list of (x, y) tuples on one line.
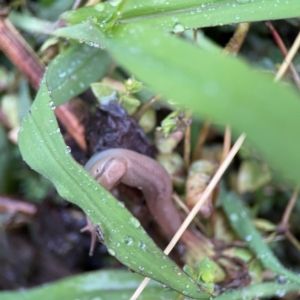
[(289, 207), (227, 142), (288, 59), (210, 187), (293, 239), (201, 140), (284, 52), (186, 210)]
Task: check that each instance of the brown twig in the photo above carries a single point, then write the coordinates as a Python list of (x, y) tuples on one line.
[(292, 239), (187, 211), (201, 140), (289, 208), (24, 58), (235, 43), (20, 53), (284, 52)]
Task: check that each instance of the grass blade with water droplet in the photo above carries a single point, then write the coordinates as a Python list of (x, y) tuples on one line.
[(108, 285), (188, 14), (238, 216)]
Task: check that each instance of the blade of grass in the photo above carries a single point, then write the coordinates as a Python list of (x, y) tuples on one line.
[(187, 14), (259, 291), (239, 219)]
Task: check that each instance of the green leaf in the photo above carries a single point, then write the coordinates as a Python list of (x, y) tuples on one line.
[(67, 74), (238, 216), (104, 285), (168, 15), (259, 291), (43, 148), (31, 24), (223, 88)]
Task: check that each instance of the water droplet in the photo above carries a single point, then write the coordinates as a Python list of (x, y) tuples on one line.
[(187, 286), (178, 28), (111, 251), (237, 17), (135, 222), (248, 238), (177, 272), (62, 74), (234, 217), (99, 7), (141, 268), (142, 246), (128, 240), (115, 2), (120, 203)]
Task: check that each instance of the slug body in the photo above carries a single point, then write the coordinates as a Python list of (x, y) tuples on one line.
[(113, 166)]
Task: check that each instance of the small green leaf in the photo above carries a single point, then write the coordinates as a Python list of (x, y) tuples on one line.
[(71, 72), (206, 270), (103, 93)]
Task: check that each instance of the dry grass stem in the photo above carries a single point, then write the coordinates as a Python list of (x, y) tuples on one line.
[(288, 59)]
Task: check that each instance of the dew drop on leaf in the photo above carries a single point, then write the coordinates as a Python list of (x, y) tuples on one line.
[(178, 28), (128, 240), (134, 222), (111, 251)]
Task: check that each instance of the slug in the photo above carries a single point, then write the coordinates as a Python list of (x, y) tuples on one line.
[(114, 166)]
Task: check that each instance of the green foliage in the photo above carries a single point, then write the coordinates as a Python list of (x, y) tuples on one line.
[(239, 219), (106, 285), (222, 88), (124, 237), (167, 15), (67, 74)]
